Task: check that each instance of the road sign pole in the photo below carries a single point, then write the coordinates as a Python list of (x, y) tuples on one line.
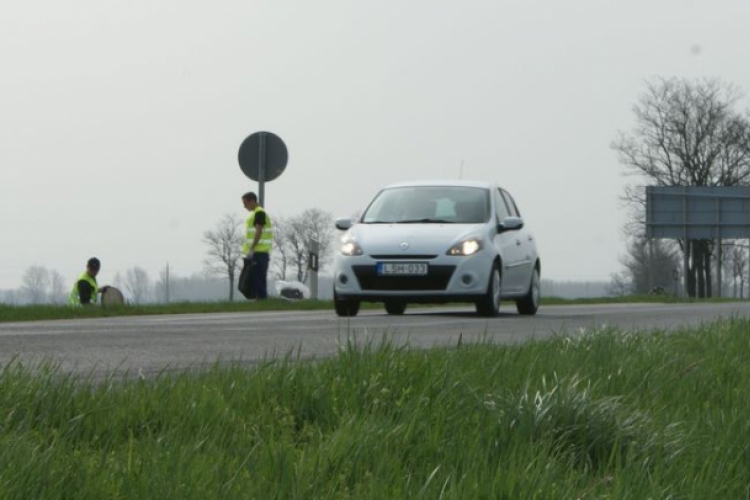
[(262, 170)]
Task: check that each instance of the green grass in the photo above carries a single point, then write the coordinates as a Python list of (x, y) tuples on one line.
[(51, 312), (594, 415), (632, 299), (48, 312)]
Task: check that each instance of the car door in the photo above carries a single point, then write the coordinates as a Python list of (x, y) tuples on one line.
[(525, 245), (509, 246)]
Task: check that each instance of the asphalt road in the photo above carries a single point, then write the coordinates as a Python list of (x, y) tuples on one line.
[(147, 345)]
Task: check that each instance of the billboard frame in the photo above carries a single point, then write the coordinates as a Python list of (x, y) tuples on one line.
[(698, 212)]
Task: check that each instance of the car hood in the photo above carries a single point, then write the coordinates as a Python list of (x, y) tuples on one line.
[(390, 239)]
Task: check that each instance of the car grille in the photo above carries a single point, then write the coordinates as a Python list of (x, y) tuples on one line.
[(437, 279)]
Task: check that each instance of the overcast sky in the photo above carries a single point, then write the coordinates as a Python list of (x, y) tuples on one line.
[(121, 120)]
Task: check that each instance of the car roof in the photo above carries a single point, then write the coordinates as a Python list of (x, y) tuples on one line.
[(443, 182)]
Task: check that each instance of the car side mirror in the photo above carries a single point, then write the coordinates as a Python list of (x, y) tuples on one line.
[(343, 223), (510, 224)]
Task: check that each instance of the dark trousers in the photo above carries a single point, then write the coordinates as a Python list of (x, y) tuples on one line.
[(259, 272)]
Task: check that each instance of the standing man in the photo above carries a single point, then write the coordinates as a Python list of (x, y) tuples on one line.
[(85, 289), (258, 241)]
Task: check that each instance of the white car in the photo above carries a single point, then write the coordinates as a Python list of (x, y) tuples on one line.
[(437, 242)]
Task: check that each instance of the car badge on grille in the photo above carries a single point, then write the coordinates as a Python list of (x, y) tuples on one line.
[(403, 245)]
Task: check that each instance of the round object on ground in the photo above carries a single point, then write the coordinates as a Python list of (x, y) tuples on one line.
[(291, 293), (395, 307), (112, 297)]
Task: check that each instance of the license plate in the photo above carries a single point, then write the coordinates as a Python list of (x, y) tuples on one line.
[(402, 268)]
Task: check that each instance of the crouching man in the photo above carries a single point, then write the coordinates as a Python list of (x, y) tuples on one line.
[(85, 290)]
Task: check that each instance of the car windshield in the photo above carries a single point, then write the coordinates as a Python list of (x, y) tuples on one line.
[(429, 204)]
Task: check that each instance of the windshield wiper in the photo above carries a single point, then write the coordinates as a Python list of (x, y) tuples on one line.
[(426, 220)]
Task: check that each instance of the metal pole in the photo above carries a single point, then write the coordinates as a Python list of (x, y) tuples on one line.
[(313, 264), (685, 268), (686, 264), (650, 265), (747, 204), (262, 169), (718, 269), (718, 253), (166, 286)]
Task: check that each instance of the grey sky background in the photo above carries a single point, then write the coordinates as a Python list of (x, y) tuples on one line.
[(121, 121)]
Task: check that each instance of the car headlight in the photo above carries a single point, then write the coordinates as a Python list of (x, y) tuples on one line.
[(465, 248), (350, 247)]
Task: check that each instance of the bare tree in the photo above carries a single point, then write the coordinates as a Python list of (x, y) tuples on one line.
[(687, 134), (58, 293), (297, 235), (736, 267), (620, 285), (281, 250), (198, 287), (10, 297), (162, 286), (35, 287), (647, 268), (118, 280), (225, 249), (137, 284)]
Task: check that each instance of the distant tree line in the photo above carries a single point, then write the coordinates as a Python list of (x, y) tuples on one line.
[(41, 285), (135, 283)]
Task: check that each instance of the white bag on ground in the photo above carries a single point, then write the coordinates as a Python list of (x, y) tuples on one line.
[(292, 290)]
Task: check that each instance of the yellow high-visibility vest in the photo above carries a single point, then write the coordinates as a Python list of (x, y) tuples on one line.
[(75, 297), (266, 236)]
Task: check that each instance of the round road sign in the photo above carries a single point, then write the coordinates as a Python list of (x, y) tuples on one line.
[(264, 149)]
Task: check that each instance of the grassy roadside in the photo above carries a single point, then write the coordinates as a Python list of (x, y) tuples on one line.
[(602, 414), (52, 312)]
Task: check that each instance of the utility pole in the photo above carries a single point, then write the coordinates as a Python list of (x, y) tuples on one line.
[(166, 284)]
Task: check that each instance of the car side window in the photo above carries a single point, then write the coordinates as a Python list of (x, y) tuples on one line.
[(511, 203), (501, 210)]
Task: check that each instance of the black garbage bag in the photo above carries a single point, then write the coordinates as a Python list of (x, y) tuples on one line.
[(245, 283)]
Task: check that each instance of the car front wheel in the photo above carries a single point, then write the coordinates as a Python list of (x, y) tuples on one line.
[(345, 307), (489, 305)]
